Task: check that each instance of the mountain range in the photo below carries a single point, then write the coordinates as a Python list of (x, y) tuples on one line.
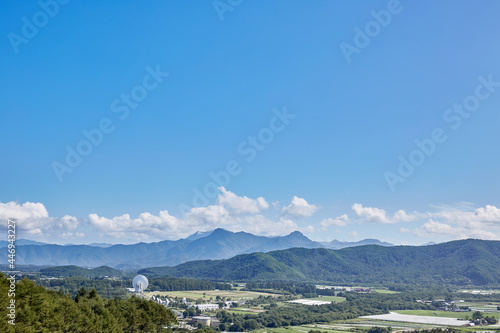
[(217, 244), (465, 262)]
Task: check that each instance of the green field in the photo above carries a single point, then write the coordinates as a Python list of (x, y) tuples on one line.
[(245, 311), (335, 299), (495, 291), (386, 291), (298, 329), (492, 305), (448, 314), (197, 294)]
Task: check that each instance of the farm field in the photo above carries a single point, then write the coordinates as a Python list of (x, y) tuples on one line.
[(353, 325), (479, 304), (433, 320), (447, 314), (196, 294), (298, 329), (386, 291), (491, 305), (478, 291), (245, 311), (335, 299), (308, 301)]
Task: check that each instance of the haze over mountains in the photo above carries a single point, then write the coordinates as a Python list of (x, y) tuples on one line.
[(217, 244)]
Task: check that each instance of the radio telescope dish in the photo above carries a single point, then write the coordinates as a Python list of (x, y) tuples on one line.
[(140, 282)]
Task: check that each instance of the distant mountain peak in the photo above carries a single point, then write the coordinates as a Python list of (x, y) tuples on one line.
[(297, 235), (221, 230), (336, 244), (199, 234)]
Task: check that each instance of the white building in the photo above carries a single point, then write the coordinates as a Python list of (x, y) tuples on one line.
[(202, 320), (205, 307)]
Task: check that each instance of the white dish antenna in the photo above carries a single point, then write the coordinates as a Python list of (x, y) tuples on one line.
[(140, 282)]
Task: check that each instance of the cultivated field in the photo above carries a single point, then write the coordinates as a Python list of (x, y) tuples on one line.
[(435, 320), (448, 314), (335, 299), (308, 302), (206, 294), (386, 291), (246, 310), (298, 329), (479, 291)]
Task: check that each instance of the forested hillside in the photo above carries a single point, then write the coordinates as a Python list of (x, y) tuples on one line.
[(116, 288), (40, 310), (69, 271), (462, 262)]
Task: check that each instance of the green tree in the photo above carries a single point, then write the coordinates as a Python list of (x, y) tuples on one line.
[(477, 315)]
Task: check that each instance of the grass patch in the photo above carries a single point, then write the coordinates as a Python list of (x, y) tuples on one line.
[(335, 299), (243, 312), (199, 294), (386, 291)]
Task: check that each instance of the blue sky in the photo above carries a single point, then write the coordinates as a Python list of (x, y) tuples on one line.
[(324, 170)]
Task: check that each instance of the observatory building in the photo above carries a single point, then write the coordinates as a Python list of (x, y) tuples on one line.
[(140, 282)]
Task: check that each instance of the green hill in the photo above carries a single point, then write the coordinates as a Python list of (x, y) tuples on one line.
[(37, 309), (462, 262), (69, 271)]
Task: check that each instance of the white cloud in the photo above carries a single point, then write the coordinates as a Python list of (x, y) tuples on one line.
[(241, 213), (28, 210), (162, 226), (402, 216), (340, 221), (299, 208), (377, 215), (72, 235), (457, 222), (67, 223), (240, 205), (488, 215), (237, 217), (145, 227), (433, 227), (233, 212), (261, 225), (34, 219), (437, 228), (463, 222), (307, 230)]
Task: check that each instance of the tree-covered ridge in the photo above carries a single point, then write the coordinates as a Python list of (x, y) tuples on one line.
[(179, 284), (464, 262), (115, 288), (41, 310), (71, 270)]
